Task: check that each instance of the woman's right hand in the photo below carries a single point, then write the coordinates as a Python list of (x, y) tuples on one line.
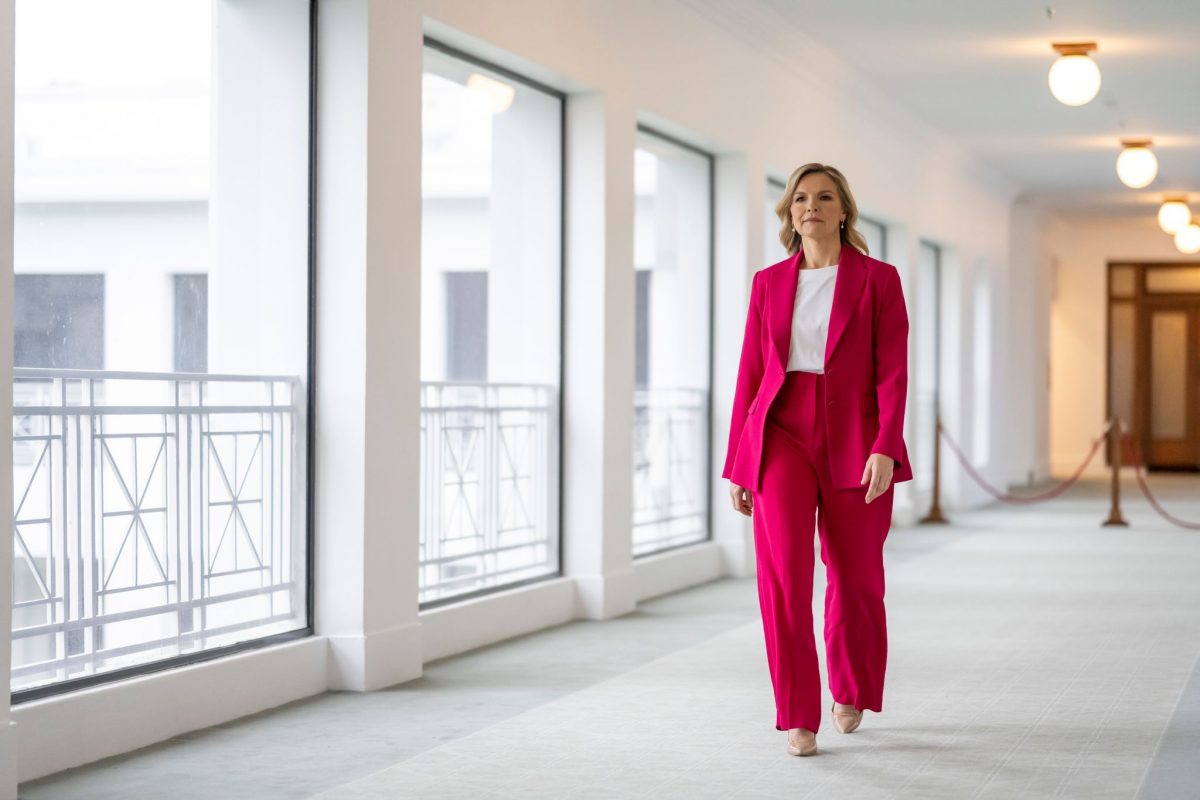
[(742, 501)]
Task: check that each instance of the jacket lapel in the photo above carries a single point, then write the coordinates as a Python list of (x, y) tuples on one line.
[(783, 301), (847, 287)]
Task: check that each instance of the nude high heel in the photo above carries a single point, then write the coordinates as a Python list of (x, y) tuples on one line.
[(804, 743), (846, 721)]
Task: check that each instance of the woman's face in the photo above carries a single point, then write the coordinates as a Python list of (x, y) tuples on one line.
[(816, 207)]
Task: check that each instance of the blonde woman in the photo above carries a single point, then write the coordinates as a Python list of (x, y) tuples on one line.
[(816, 431)]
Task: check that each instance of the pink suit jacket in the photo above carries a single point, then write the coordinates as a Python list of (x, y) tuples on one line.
[(866, 369)]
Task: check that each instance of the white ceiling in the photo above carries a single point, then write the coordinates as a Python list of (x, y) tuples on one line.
[(976, 69)]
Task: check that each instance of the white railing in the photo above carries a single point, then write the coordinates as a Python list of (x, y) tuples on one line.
[(669, 480), (155, 514), (489, 486)]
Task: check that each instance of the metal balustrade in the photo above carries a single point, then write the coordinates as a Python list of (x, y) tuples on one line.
[(155, 514), (669, 481), (489, 486), (161, 513)]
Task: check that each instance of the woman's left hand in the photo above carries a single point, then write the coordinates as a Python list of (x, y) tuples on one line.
[(879, 473)]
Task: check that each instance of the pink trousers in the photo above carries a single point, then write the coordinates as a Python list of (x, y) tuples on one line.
[(796, 487)]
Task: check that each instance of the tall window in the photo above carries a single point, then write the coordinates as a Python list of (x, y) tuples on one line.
[(161, 227), (491, 328), (673, 259), (876, 235), (983, 362), (928, 320), (773, 250)]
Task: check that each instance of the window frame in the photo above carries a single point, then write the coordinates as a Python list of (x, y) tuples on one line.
[(454, 52), (188, 659), (711, 158)]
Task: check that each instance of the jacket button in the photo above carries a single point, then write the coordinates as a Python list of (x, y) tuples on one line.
[(829, 403)]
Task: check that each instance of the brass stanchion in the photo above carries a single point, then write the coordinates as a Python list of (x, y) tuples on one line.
[(934, 517), (1114, 460)]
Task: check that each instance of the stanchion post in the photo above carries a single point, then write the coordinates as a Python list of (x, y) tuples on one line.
[(934, 517), (1114, 460)]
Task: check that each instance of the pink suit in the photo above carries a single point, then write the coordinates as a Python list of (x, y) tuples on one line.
[(799, 442)]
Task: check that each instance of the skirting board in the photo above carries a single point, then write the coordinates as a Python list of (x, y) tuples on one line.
[(677, 569), (127, 715), (375, 661), (8, 761), (453, 629)]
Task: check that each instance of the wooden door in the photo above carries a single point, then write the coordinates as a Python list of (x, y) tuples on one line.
[(1170, 400)]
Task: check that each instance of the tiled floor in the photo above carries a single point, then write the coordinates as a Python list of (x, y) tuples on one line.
[(1032, 653)]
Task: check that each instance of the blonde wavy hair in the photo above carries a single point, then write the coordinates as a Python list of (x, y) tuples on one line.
[(783, 209)]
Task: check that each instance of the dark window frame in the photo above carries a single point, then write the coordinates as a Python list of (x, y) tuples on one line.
[(454, 52), (712, 258), (188, 659)]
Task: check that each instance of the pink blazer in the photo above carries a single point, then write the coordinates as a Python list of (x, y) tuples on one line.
[(866, 368)]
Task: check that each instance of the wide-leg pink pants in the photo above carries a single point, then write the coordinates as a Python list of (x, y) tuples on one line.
[(796, 487)]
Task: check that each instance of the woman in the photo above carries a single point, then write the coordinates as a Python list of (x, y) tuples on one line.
[(816, 430)]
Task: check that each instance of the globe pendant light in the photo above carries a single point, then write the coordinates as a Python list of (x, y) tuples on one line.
[(1136, 166), (1187, 239), (1074, 78), (1173, 214)]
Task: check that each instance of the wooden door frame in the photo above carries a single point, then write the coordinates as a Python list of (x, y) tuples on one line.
[(1141, 300), (1191, 438)]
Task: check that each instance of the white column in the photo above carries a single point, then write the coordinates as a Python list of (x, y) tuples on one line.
[(908, 505), (741, 185), (8, 736), (598, 384), (1026, 289), (953, 378), (367, 336)]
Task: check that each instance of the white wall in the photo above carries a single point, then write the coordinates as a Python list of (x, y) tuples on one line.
[(1080, 249), (1024, 372), (622, 61)]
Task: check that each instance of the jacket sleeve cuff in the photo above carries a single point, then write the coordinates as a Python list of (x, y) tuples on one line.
[(889, 449)]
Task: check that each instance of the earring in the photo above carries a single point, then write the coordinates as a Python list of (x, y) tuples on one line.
[(843, 224)]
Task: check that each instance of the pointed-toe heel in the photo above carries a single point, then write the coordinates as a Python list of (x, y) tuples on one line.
[(802, 748), (846, 721)]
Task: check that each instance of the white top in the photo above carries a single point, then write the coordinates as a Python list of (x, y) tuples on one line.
[(810, 319)]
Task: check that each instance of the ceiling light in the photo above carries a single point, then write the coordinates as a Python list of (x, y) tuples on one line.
[(1136, 166), (1187, 239), (499, 94), (1074, 78), (1173, 214)]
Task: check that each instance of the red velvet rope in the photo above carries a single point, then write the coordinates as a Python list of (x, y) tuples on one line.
[(1139, 468), (1037, 498)]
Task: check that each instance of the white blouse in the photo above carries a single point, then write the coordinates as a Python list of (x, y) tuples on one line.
[(810, 319)]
